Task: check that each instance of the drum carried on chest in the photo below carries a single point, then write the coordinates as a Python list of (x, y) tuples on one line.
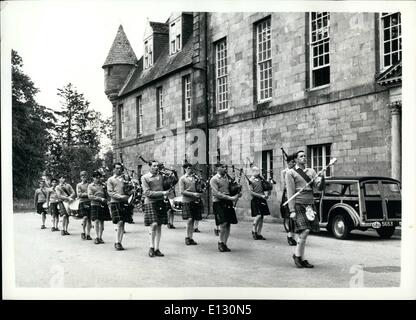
[(176, 203)]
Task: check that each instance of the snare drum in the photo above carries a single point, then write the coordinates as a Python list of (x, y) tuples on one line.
[(45, 205), (74, 204), (176, 203)]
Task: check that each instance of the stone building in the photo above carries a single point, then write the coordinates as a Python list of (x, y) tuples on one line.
[(248, 84)]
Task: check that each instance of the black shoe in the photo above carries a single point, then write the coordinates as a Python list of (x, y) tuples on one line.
[(291, 241), (53, 229), (187, 241), (118, 246), (306, 264), (221, 247), (168, 225), (192, 242), (158, 253), (57, 229), (254, 234), (298, 261), (97, 241), (67, 233), (63, 233), (260, 237), (101, 240), (151, 252), (172, 226), (88, 237), (226, 249), (43, 226), (83, 236), (196, 230)]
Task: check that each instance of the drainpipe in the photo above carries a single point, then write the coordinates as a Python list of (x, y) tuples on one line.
[(206, 105)]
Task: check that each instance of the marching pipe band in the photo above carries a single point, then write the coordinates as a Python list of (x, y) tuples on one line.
[(115, 198)]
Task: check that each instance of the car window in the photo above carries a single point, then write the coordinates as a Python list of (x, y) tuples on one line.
[(391, 190), (371, 189), (333, 189), (351, 190)]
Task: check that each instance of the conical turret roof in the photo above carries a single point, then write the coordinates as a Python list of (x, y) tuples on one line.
[(121, 51)]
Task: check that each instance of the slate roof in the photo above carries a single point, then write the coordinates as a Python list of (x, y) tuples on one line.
[(391, 76), (164, 65), (121, 51), (159, 27)]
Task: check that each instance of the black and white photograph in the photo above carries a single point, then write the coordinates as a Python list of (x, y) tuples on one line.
[(208, 150)]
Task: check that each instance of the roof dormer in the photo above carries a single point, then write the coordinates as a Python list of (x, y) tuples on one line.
[(155, 35)]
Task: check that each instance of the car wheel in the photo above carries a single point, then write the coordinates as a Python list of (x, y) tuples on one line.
[(385, 232), (341, 226), (286, 223)]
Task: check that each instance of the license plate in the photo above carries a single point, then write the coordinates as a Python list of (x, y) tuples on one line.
[(387, 223)]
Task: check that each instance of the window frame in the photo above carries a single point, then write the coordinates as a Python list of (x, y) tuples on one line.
[(317, 43), (148, 54), (325, 158), (139, 115), (187, 99), (399, 51), (263, 62), (175, 32), (159, 106), (121, 121), (221, 76)]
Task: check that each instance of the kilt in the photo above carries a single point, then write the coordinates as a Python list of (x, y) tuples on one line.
[(224, 212), (121, 212), (192, 210), (85, 209), (39, 208), (53, 209), (101, 213), (284, 210), (259, 207), (155, 212), (302, 222), (62, 210)]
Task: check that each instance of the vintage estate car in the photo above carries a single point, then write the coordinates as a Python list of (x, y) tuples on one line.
[(348, 203)]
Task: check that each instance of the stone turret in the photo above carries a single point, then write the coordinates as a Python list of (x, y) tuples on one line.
[(120, 61)]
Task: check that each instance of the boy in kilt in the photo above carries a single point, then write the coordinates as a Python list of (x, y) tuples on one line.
[(192, 204), (119, 208), (65, 193), (284, 210), (223, 205), (154, 207), (40, 200), (259, 207), (302, 208), (84, 205), (97, 193), (52, 202)]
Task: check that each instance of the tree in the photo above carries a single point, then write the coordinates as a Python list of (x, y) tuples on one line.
[(76, 142), (31, 124)]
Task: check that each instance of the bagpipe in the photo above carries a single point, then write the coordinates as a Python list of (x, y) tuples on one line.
[(132, 187), (267, 185), (233, 184)]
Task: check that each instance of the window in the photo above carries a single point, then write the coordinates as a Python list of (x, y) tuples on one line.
[(221, 75), (148, 53), (159, 101), (175, 36), (319, 49), (391, 39), (121, 121), (187, 97), (319, 157), (264, 161), (139, 115), (264, 60), (109, 70)]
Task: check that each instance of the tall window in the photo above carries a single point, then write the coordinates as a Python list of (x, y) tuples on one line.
[(139, 115), (148, 53), (159, 101), (187, 97), (264, 161), (175, 36), (264, 60), (319, 49), (221, 75), (391, 39), (121, 121), (319, 157)]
